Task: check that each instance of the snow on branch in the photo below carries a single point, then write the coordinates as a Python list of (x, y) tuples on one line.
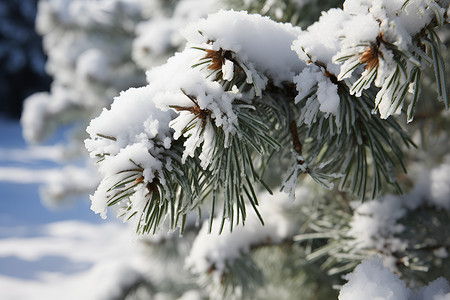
[(408, 232), (229, 98), (371, 280), (379, 225), (185, 106)]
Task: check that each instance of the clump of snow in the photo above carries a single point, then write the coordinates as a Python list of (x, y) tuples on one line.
[(228, 70), (313, 81), (371, 280), (440, 186), (264, 44), (147, 123), (338, 44), (318, 53), (376, 223), (320, 41), (181, 86), (128, 143)]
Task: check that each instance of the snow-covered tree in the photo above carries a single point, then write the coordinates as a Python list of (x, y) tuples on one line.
[(277, 149)]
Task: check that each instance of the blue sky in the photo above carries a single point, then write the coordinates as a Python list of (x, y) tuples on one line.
[(20, 202), (57, 254)]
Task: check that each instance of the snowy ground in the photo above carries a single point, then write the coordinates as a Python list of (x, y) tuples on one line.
[(45, 254)]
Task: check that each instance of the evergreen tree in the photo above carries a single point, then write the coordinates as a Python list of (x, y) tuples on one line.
[(280, 148)]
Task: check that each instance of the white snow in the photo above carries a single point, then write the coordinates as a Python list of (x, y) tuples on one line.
[(325, 93), (440, 186), (321, 40), (372, 281), (143, 123), (363, 25), (35, 119), (257, 41), (228, 70), (375, 224), (438, 289)]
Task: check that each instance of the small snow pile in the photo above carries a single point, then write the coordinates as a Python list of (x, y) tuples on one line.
[(325, 99), (320, 41), (440, 186), (374, 224), (313, 83), (128, 143), (264, 44), (372, 281)]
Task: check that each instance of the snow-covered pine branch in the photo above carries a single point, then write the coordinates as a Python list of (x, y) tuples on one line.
[(188, 110), (245, 94), (95, 50)]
